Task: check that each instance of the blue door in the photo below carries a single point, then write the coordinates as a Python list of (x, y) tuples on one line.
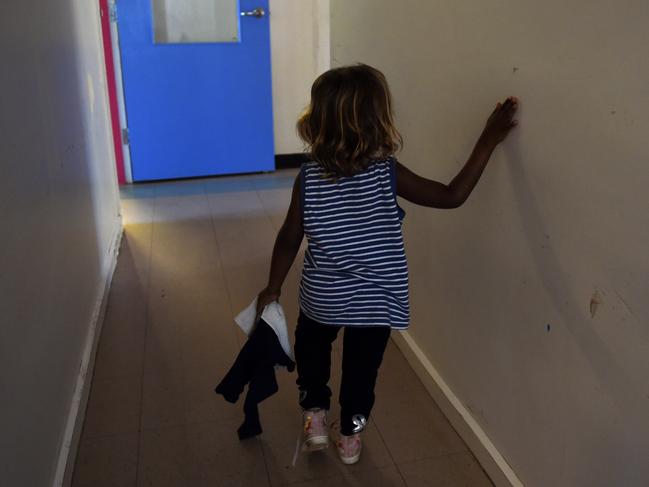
[(197, 85)]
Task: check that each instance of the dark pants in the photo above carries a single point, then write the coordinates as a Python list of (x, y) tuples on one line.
[(362, 355)]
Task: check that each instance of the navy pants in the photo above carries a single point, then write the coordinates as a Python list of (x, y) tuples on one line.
[(363, 350)]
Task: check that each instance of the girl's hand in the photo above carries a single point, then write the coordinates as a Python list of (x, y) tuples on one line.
[(500, 122), (266, 297)]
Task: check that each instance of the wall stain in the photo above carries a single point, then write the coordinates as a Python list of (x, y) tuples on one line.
[(595, 301)]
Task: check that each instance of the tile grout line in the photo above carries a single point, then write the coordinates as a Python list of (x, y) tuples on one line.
[(146, 330), (261, 446), (231, 305), (396, 465), (266, 212), (220, 258), (407, 462), (272, 223)]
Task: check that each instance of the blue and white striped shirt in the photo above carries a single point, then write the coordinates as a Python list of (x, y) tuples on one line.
[(355, 270)]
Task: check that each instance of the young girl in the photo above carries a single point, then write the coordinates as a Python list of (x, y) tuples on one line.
[(355, 273)]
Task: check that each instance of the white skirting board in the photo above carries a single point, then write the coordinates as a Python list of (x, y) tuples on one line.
[(492, 461), (76, 416)]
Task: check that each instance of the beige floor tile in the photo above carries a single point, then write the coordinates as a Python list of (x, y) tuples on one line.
[(173, 400), (182, 188), (279, 179), (163, 401), (185, 208), (379, 477), (134, 255), (184, 250), (245, 282), (256, 244), (198, 232), (121, 344), (137, 211), (277, 219), (107, 462), (229, 184), (395, 375), (413, 427), (203, 282), (120, 355), (279, 438), (454, 470), (239, 201), (190, 324), (276, 200), (182, 370), (190, 345), (197, 455), (113, 407), (244, 227)]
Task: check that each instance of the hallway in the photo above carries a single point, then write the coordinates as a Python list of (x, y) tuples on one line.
[(194, 254)]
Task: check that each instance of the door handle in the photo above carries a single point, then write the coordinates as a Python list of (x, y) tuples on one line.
[(258, 12)]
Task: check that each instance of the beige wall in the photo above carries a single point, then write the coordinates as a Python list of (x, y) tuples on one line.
[(559, 221), (59, 205), (300, 52)]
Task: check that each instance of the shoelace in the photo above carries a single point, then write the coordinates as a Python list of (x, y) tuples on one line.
[(298, 443), (297, 449), (300, 437)]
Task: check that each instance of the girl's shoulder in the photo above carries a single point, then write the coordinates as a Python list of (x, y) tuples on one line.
[(313, 169)]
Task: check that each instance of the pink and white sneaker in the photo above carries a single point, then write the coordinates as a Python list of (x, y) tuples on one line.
[(316, 436), (349, 447)]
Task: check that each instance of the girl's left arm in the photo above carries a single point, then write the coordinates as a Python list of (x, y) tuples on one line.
[(287, 245), (427, 192)]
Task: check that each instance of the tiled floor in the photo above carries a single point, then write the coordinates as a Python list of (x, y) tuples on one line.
[(193, 255)]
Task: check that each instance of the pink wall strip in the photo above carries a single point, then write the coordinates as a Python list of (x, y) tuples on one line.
[(112, 91)]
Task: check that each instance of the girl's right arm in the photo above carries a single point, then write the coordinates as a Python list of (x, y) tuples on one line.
[(433, 194), (287, 245)]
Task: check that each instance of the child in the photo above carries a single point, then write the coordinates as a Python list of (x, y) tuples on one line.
[(355, 274)]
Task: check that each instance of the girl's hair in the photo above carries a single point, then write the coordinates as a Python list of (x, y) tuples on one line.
[(349, 121)]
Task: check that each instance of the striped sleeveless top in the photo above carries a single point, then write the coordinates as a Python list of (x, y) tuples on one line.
[(355, 271)]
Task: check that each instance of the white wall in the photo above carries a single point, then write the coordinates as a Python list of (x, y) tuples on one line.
[(60, 216), (560, 219), (300, 52)]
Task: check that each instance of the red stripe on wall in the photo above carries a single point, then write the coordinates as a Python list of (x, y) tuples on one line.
[(112, 91)]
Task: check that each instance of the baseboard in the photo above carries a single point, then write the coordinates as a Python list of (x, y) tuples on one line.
[(467, 427), (76, 416), (291, 161)]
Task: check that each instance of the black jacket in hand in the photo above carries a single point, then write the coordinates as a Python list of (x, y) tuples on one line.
[(255, 366)]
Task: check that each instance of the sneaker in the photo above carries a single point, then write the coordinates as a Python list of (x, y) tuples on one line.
[(315, 430), (349, 447)]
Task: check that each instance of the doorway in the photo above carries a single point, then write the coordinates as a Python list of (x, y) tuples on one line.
[(197, 87)]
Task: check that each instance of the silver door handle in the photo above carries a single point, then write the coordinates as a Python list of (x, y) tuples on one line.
[(258, 12)]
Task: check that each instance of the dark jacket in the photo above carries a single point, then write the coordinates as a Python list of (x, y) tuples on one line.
[(255, 366)]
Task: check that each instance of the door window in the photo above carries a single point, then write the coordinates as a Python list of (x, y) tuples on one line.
[(195, 21)]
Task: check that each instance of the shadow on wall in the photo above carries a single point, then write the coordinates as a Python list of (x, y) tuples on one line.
[(619, 386)]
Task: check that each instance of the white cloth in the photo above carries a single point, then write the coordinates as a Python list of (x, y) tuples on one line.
[(273, 314)]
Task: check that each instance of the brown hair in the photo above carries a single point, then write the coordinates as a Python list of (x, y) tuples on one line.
[(349, 121)]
